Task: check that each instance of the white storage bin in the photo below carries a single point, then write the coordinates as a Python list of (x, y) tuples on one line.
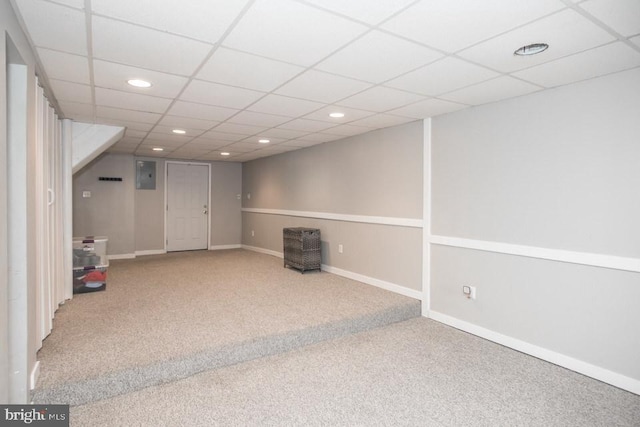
[(90, 251)]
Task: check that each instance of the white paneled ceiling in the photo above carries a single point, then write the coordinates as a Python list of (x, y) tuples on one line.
[(231, 72)]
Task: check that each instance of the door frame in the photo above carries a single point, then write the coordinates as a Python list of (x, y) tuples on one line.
[(166, 197)]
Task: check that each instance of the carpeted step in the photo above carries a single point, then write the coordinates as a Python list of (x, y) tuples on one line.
[(136, 378)]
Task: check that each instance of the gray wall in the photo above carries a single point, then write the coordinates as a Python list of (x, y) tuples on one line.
[(110, 209), (375, 174), (132, 219), (557, 170)]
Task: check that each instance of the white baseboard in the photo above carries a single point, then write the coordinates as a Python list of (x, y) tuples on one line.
[(411, 293), (151, 252), (224, 247), (350, 275), (263, 251), (596, 372), (35, 374), (121, 256)]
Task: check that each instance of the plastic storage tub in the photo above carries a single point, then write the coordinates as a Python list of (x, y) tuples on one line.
[(90, 264)]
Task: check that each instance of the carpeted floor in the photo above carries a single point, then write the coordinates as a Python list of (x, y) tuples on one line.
[(231, 338), (414, 373), (170, 316)]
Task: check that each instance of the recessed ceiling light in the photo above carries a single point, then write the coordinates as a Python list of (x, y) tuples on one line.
[(531, 49), (158, 149), (139, 83), (179, 131), (224, 153), (264, 141), (336, 115)]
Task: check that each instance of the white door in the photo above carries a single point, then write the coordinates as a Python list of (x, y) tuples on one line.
[(187, 206)]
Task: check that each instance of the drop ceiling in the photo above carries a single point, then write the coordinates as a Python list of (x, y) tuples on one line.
[(231, 72)]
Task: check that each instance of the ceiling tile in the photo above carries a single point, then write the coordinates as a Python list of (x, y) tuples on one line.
[(452, 26), (370, 12), (256, 140), (377, 57), (65, 66), (381, 121), (132, 133), (242, 147), (307, 125), (322, 87), (131, 101), (74, 110), (216, 135), (127, 115), (183, 155), (131, 142), (190, 133), (160, 141), (147, 151), (202, 144), (291, 107), (276, 149), (300, 143), (201, 19), (429, 108), (565, 32), (242, 157), (241, 69), (136, 126), (283, 133), (349, 130), (258, 119), (129, 44), (126, 144), (115, 76), (215, 156), (381, 99), (191, 150), (239, 129), (442, 76), (187, 123), (200, 111), (490, 91), (290, 31), (159, 133), (66, 91), (78, 4), (320, 137), (623, 16), (219, 95), (350, 114), (54, 26), (592, 63)]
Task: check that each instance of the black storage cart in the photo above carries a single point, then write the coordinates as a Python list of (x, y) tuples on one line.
[(302, 248)]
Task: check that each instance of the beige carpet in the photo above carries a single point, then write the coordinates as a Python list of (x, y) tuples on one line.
[(413, 373), (169, 316)]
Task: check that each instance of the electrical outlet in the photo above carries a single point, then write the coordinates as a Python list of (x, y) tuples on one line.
[(469, 291), (86, 194), (340, 249), (253, 233)]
